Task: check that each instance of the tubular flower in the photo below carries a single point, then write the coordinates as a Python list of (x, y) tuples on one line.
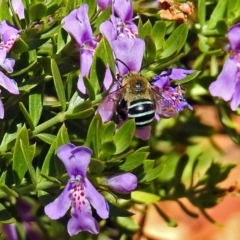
[(9, 35), (227, 85), (77, 24), (79, 193), (122, 183)]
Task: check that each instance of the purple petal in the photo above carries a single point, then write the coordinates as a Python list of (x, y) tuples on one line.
[(18, 8), (236, 97), (224, 86), (129, 51), (161, 81), (109, 29), (86, 58), (122, 183), (75, 159), (8, 64), (233, 36), (96, 200), (9, 84), (10, 231), (60, 205), (8, 31), (103, 4), (77, 24), (178, 73), (82, 220), (108, 79), (143, 133), (3, 54), (123, 9), (107, 108), (1, 110)]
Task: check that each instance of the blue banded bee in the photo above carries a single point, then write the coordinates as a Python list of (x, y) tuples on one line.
[(138, 99)]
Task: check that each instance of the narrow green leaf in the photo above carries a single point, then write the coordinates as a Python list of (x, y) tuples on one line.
[(62, 136), (28, 154), (58, 84), (182, 163), (103, 56), (36, 103), (178, 36), (153, 173), (4, 11), (8, 190), (89, 87), (117, 211), (144, 197), (124, 135), (217, 14), (109, 147), (94, 140), (128, 223), (26, 115), (201, 12), (46, 137), (19, 162), (134, 160), (150, 48), (82, 114), (158, 34)]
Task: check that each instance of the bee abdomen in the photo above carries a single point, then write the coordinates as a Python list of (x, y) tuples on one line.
[(142, 110)]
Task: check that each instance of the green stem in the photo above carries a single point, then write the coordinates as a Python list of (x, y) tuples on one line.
[(58, 118)]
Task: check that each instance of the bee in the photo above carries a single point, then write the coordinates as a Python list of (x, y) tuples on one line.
[(138, 99)]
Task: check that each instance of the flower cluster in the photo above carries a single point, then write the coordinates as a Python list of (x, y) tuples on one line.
[(79, 192), (9, 34), (227, 85)]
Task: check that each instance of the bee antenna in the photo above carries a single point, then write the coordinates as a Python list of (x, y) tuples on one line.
[(123, 64)]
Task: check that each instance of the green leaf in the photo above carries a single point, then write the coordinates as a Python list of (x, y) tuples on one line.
[(128, 223), (8, 190), (150, 48), (144, 197), (182, 163), (82, 114), (91, 7), (217, 14), (124, 135), (26, 115), (20, 161), (176, 40), (58, 83), (46, 137), (109, 147), (146, 29), (158, 34), (4, 11), (62, 136), (201, 12), (36, 103), (19, 46), (96, 166), (134, 160), (153, 173), (103, 56), (5, 216), (104, 16), (37, 11), (108, 131), (94, 140), (89, 87)]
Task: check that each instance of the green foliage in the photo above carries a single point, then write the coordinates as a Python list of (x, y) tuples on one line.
[(178, 161)]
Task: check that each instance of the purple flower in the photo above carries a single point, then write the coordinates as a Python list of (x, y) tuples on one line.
[(122, 183), (10, 231), (227, 85), (77, 24), (9, 34), (79, 193)]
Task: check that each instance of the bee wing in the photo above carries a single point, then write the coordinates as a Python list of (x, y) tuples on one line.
[(164, 107)]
